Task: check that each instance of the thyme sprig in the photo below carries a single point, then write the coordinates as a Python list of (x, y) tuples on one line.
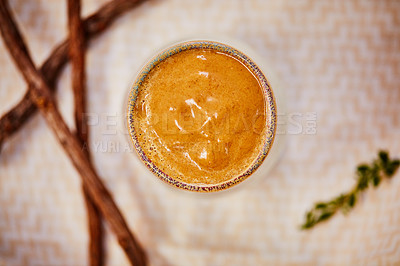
[(367, 174)]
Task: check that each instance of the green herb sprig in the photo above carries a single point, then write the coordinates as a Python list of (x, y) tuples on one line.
[(367, 174)]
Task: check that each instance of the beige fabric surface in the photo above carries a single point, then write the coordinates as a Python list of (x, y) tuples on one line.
[(339, 60)]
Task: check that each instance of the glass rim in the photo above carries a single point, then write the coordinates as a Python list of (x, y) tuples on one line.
[(270, 108)]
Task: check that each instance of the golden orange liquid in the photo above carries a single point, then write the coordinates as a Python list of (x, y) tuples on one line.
[(200, 117)]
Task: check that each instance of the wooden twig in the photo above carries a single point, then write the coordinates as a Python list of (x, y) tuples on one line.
[(43, 99), (77, 56), (95, 24)]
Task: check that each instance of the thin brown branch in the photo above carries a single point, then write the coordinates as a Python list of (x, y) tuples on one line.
[(77, 56), (96, 233), (95, 24), (41, 96)]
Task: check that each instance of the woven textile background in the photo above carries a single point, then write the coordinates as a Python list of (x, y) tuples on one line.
[(340, 63)]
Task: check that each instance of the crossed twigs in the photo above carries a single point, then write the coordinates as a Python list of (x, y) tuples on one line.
[(41, 85)]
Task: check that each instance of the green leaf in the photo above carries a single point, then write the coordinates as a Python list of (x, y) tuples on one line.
[(321, 205), (352, 200), (325, 216), (392, 168), (309, 216), (362, 169), (373, 176), (307, 225), (384, 157), (376, 180)]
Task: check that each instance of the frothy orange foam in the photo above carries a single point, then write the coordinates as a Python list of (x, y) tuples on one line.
[(200, 116)]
